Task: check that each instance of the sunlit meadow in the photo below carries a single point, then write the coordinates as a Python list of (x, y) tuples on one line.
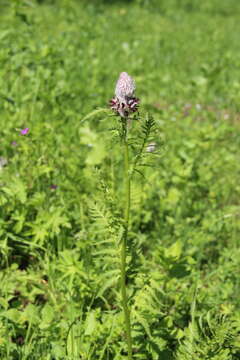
[(63, 180)]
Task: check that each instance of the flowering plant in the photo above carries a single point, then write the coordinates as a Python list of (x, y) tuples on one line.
[(137, 144), (124, 102)]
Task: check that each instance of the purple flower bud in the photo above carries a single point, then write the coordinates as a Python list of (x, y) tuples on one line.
[(24, 131), (125, 87), (14, 143), (124, 101), (53, 187)]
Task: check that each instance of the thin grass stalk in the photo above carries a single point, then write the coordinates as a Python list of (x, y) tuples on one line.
[(124, 240)]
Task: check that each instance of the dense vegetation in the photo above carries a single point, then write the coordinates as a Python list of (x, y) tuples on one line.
[(61, 182)]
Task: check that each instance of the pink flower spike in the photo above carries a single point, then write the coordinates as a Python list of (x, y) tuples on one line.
[(124, 101), (125, 87), (24, 131)]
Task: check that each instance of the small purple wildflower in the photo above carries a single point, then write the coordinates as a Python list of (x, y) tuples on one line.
[(124, 101), (53, 187), (14, 143), (24, 131)]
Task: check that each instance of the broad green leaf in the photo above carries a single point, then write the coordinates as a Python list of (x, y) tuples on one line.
[(90, 323), (13, 315), (174, 251)]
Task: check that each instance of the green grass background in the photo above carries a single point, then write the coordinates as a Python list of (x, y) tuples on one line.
[(59, 60)]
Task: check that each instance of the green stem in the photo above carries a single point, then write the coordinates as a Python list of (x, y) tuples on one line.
[(124, 243)]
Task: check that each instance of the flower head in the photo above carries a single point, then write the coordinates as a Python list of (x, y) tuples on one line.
[(124, 101), (125, 87), (24, 131), (124, 108)]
